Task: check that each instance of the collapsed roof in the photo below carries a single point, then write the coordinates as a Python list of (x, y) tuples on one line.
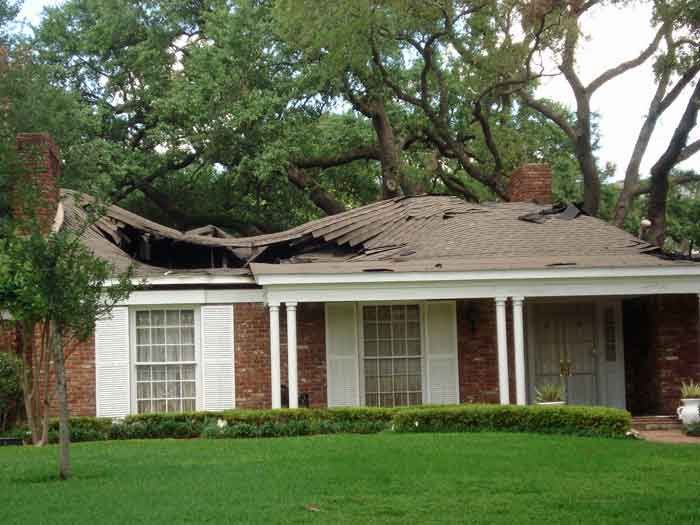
[(426, 233)]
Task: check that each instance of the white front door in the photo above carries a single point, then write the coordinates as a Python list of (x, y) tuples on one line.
[(565, 350)]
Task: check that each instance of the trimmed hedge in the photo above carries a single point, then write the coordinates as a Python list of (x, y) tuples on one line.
[(573, 420), (580, 421), (693, 430)]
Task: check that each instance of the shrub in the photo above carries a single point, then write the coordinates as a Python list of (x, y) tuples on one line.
[(690, 390), (10, 399), (581, 421), (693, 430), (549, 393)]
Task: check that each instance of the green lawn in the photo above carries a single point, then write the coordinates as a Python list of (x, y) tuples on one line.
[(385, 478)]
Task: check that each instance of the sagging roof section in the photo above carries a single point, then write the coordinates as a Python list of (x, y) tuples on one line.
[(432, 232)]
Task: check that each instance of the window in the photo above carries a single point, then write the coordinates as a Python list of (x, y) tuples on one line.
[(165, 361), (392, 355)]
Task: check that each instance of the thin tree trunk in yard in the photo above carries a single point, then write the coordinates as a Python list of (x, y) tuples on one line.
[(656, 233), (28, 381), (64, 470)]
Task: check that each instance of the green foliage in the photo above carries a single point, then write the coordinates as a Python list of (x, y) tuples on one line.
[(581, 421), (693, 430), (690, 390), (9, 385), (550, 392)]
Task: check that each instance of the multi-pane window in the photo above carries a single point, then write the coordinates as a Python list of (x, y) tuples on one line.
[(165, 361), (392, 355)]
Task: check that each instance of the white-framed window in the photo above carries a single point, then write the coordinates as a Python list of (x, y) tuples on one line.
[(165, 359), (392, 355)]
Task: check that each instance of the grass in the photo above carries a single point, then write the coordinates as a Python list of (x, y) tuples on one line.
[(384, 478)]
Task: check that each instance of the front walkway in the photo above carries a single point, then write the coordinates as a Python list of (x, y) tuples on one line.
[(674, 436)]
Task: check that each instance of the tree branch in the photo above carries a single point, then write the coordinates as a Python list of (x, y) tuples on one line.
[(630, 64)]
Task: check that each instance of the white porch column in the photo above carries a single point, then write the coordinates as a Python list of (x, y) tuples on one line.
[(519, 347), (502, 338), (275, 355), (292, 354)]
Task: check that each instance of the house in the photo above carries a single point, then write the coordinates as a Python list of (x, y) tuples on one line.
[(415, 300)]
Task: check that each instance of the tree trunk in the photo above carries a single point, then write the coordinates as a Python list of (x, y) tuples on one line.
[(656, 212), (390, 154), (584, 154), (318, 195), (64, 469)]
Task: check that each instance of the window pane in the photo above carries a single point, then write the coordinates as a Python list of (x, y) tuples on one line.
[(188, 405), (172, 336), (372, 400), (399, 347), (412, 312), (173, 389), (187, 336), (187, 317), (384, 313), (384, 348), (399, 329), (188, 372), (157, 318), (371, 349), (143, 391), (370, 330), (371, 384), (370, 313), (413, 347), (386, 400), (144, 406), (188, 389), (143, 373), (158, 354), (173, 353), (413, 330), (142, 354), (188, 353), (157, 336), (143, 318), (172, 317), (159, 390), (398, 313), (174, 405), (173, 373), (142, 336), (158, 373), (159, 406), (384, 331)]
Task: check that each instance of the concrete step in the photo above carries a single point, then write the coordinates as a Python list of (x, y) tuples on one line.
[(656, 423)]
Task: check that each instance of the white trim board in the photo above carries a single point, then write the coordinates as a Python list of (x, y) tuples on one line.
[(483, 275), (168, 279), (195, 296), (530, 287)]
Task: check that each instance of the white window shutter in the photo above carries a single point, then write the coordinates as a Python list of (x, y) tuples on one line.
[(342, 355), (112, 369), (441, 353), (217, 358)]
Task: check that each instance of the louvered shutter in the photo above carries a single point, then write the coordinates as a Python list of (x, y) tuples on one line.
[(441, 353), (342, 355), (112, 370), (217, 357)]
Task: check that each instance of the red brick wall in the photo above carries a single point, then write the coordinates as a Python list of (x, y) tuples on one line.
[(477, 351), (675, 346), (80, 377), (252, 355), (531, 183)]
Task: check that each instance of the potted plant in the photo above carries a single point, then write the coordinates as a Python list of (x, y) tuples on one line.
[(551, 394), (689, 413)]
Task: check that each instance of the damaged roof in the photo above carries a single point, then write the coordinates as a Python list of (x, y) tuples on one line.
[(422, 233)]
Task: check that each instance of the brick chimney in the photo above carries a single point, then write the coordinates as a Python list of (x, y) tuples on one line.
[(37, 192), (531, 183)]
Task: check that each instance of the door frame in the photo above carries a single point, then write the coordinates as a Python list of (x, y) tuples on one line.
[(604, 371)]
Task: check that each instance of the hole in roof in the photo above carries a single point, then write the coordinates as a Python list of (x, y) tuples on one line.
[(562, 264), (377, 270)]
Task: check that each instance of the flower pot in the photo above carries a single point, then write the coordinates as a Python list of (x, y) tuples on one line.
[(552, 403), (689, 413)]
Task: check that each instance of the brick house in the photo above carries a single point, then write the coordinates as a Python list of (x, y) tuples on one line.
[(415, 300)]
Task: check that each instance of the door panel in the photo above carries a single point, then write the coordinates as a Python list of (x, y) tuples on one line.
[(565, 339)]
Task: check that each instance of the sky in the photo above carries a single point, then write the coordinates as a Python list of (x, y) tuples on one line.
[(613, 35)]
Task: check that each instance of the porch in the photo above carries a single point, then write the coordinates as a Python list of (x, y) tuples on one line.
[(623, 350)]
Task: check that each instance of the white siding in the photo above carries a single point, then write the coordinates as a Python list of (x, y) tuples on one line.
[(112, 364), (342, 352), (441, 353), (217, 357)]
